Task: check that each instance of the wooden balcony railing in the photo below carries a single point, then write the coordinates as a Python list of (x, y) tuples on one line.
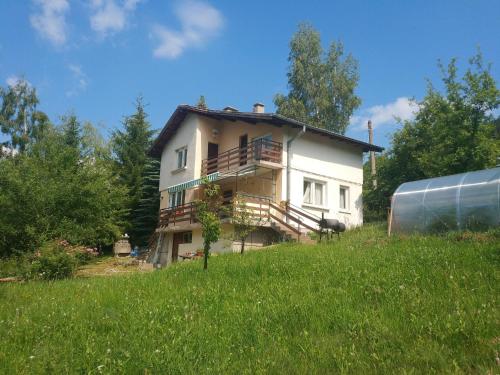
[(260, 209), (260, 149), (184, 214)]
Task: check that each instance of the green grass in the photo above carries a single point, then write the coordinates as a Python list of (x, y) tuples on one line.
[(364, 304)]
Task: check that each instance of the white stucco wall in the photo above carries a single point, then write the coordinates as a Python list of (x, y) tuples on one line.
[(186, 135), (336, 164)]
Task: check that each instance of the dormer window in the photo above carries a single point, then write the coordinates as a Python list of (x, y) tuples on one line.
[(181, 157)]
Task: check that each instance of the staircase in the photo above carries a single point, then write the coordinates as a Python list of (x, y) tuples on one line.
[(291, 235), (292, 223)]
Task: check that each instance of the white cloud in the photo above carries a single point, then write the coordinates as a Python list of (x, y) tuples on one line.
[(109, 18), (402, 108), (80, 80), (50, 20), (200, 22)]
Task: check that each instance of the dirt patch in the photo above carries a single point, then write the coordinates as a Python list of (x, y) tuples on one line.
[(111, 266)]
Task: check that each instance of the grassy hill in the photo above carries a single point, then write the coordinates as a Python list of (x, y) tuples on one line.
[(365, 303)]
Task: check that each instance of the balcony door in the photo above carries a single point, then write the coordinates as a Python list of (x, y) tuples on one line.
[(243, 149), (212, 162)]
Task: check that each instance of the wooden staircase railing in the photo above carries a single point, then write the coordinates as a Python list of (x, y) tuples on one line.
[(289, 218)]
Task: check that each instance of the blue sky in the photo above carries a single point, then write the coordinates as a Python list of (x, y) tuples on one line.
[(96, 56)]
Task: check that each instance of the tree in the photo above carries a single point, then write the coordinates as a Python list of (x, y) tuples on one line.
[(130, 147), (243, 221), (453, 132), (50, 192), (208, 211), (202, 104), (71, 129), (145, 217), (19, 118), (321, 85)]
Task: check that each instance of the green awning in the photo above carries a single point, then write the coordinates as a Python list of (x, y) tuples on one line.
[(192, 183)]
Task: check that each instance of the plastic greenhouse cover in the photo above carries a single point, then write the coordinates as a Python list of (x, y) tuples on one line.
[(463, 201)]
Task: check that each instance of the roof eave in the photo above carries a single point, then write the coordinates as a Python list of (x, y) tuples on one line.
[(274, 118)]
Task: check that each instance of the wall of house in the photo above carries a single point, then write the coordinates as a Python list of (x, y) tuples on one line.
[(335, 163), (225, 244), (186, 135), (313, 156), (229, 133)]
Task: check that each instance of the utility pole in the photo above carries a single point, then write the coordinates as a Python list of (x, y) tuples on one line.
[(372, 154)]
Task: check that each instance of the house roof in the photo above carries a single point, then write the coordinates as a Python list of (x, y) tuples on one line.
[(275, 119)]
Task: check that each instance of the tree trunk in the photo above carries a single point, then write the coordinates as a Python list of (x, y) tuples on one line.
[(205, 262), (242, 246)]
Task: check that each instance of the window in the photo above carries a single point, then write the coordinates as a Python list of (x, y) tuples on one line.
[(187, 237), (314, 193), (307, 192), (344, 198), (177, 198), (181, 157)]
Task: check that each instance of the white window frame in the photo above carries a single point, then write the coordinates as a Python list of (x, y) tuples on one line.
[(347, 198), (177, 198), (313, 184), (181, 158)]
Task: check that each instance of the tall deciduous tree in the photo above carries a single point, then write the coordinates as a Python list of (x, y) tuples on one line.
[(453, 132), (130, 147), (321, 84), (19, 118)]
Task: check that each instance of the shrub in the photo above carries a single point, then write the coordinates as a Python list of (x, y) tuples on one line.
[(85, 255), (51, 262)]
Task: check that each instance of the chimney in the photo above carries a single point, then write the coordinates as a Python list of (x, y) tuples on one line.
[(372, 154), (258, 108)]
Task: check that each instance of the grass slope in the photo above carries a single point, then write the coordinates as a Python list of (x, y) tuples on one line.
[(364, 304)]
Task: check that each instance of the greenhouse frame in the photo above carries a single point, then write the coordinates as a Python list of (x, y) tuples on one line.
[(467, 201)]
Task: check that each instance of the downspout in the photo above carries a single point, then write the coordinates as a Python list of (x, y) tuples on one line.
[(288, 159)]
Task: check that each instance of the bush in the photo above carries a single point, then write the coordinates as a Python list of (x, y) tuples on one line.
[(84, 255), (51, 262)]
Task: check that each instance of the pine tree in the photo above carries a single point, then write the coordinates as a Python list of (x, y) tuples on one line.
[(202, 104), (130, 147), (72, 131), (145, 216)]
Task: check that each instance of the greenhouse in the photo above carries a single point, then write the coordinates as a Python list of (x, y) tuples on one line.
[(467, 201)]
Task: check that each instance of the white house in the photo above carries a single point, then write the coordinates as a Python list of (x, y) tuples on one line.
[(289, 173)]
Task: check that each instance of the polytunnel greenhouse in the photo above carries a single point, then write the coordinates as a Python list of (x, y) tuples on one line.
[(467, 201)]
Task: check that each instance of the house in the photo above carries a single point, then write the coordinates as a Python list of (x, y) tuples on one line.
[(290, 175)]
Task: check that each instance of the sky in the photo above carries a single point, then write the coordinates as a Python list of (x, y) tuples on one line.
[(95, 57)]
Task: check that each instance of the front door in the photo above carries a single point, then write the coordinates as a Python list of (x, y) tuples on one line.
[(178, 239), (213, 152), (243, 149)]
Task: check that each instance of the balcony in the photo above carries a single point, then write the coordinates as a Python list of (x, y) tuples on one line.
[(261, 150)]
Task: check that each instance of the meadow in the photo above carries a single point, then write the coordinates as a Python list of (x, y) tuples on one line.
[(364, 303)]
